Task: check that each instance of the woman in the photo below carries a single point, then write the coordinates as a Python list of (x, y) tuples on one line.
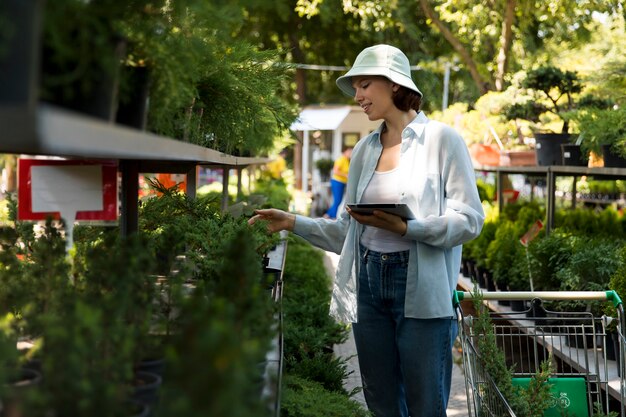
[(395, 277)]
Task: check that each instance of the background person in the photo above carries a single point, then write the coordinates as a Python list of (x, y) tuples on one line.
[(395, 278), (277, 166), (338, 181)]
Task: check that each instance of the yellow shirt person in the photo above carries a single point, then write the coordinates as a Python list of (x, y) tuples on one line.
[(338, 181)]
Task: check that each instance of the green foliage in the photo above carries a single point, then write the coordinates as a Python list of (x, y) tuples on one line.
[(324, 165), (305, 398), (503, 253), (548, 255), (553, 90), (176, 225), (598, 411), (275, 193), (205, 87), (113, 274), (588, 222), (592, 263), (617, 282), (527, 402), (86, 362), (479, 247), (309, 331), (486, 191), (213, 363), (602, 127)]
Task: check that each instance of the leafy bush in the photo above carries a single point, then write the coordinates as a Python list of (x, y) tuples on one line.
[(527, 402), (213, 362), (309, 331), (547, 256), (590, 222), (305, 398)]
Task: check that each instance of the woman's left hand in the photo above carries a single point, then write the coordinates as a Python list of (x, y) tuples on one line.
[(382, 220)]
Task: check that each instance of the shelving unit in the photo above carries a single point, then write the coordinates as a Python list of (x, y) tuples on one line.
[(550, 173), (30, 127), (51, 131)]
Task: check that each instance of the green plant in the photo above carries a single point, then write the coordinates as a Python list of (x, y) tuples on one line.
[(590, 267), (480, 245), (602, 127), (310, 332), (504, 256), (547, 255), (598, 411), (486, 191), (527, 402), (325, 166), (551, 90), (226, 332), (617, 283), (305, 398)]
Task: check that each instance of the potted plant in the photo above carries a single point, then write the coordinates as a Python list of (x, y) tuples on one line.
[(325, 168), (556, 92), (617, 283), (604, 133), (529, 401)]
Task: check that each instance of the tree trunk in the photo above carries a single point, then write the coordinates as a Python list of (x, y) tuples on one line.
[(482, 84), (506, 40)]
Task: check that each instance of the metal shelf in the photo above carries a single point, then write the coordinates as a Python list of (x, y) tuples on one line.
[(49, 130), (550, 173)]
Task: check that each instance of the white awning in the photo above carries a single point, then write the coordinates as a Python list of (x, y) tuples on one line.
[(320, 118)]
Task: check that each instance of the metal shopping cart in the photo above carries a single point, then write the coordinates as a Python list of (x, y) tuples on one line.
[(586, 381)]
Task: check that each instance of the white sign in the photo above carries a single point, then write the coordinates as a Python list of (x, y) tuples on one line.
[(66, 189)]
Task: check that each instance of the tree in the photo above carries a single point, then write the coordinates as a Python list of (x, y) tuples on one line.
[(487, 35)]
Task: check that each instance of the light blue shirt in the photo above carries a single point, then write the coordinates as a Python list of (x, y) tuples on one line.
[(439, 185)]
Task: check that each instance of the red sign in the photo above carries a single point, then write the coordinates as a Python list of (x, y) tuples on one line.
[(531, 233), (96, 204)]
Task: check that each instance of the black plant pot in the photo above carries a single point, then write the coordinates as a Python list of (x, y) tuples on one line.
[(573, 156), (548, 147), (489, 282), (612, 160), (155, 366), (479, 276), (25, 380), (471, 268), (146, 388)]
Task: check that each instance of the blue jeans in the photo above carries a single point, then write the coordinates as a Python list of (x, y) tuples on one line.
[(336, 188), (406, 363)]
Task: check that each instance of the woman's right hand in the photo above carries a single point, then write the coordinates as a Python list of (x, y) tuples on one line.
[(277, 219)]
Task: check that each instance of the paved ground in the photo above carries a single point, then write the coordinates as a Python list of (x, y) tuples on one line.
[(457, 406)]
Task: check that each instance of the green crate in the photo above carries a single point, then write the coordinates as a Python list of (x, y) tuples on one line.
[(568, 393)]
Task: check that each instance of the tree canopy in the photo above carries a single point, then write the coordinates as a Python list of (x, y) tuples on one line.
[(485, 41)]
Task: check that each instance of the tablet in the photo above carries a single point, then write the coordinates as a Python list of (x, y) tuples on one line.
[(401, 210)]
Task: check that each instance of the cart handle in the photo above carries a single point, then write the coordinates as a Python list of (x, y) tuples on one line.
[(609, 295)]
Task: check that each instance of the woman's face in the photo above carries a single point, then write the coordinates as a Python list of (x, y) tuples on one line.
[(373, 94)]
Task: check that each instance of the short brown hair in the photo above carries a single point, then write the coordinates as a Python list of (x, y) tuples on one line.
[(406, 99)]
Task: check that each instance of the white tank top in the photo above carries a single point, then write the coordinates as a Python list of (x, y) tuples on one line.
[(383, 188)]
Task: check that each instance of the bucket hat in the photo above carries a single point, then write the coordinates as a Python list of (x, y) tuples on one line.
[(385, 60)]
